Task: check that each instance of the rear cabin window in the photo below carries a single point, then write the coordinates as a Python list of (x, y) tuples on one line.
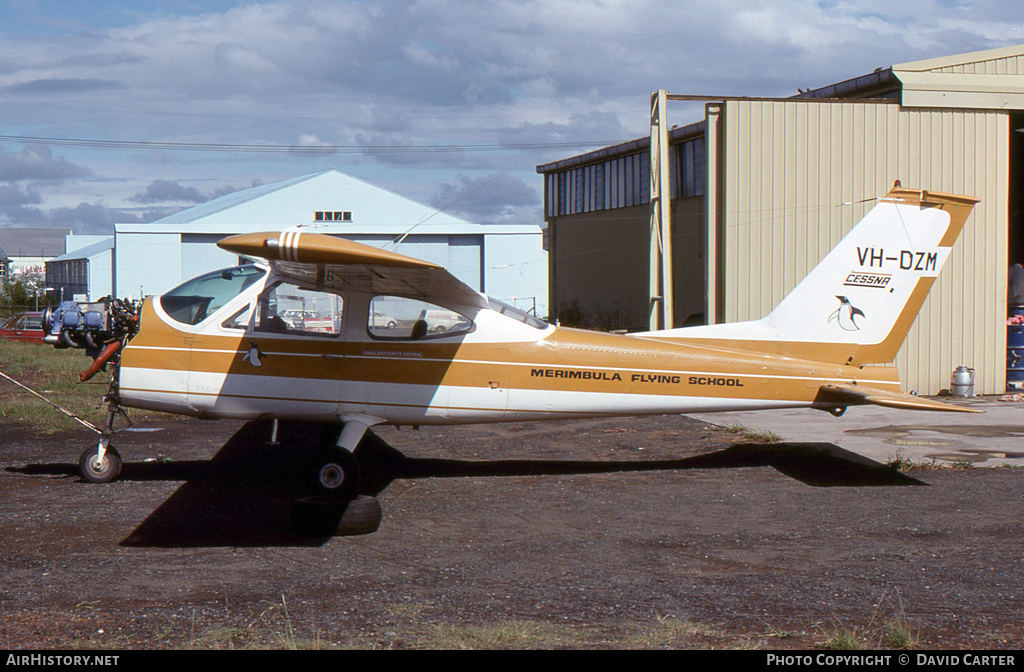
[(194, 301), (399, 318)]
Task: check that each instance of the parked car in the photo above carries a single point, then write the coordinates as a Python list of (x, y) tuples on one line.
[(379, 320), (26, 327), (441, 320)]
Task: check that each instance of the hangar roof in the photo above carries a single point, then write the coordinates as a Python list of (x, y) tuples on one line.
[(297, 201), (991, 80), (88, 251)]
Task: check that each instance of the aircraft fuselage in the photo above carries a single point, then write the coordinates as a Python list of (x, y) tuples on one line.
[(501, 370)]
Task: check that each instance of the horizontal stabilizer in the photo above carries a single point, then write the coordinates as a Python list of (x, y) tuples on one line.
[(849, 395)]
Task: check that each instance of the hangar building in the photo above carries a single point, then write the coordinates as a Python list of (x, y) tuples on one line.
[(85, 272), (763, 188), (505, 261)]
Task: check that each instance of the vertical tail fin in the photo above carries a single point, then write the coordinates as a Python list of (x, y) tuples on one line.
[(858, 304)]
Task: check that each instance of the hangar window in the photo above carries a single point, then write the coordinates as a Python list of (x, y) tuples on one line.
[(332, 216), (624, 181)]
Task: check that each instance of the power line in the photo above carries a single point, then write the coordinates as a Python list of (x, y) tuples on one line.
[(296, 149), (333, 117)]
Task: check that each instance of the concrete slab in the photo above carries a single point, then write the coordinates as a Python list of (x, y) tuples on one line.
[(994, 438)]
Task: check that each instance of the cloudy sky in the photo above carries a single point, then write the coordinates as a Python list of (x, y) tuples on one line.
[(117, 111)]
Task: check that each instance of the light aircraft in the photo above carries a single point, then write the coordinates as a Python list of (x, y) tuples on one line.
[(324, 330)]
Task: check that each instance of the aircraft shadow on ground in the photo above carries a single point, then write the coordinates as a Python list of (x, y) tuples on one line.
[(244, 495)]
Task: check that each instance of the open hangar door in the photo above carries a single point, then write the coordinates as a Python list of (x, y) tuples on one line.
[(1015, 225)]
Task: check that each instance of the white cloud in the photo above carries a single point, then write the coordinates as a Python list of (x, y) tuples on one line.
[(426, 72)]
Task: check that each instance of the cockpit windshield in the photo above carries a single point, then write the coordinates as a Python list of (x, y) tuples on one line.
[(193, 301)]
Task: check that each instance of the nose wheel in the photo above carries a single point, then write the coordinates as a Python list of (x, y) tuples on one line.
[(101, 465)]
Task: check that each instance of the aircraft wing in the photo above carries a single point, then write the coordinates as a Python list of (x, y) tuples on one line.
[(857, 395), (342, 264)]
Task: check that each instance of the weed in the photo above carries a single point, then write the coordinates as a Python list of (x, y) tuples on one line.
[(513, 634), (762, 436), (843, 638), (897, 630), (751, 435), (901, 634), (671, 631), (900, 461)]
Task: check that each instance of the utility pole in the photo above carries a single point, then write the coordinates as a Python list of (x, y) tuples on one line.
[(661, 306)]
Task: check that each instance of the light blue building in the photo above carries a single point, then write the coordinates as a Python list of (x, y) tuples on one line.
[(507, 262)]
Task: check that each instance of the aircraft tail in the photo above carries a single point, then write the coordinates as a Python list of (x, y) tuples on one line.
[(856, 307)]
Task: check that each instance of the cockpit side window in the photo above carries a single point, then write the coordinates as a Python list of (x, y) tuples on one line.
[(193, 301), (286, 308)]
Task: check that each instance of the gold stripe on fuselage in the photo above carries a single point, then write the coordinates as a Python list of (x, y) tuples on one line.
[(567, 360)]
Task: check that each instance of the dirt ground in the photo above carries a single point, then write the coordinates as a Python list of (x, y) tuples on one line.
[(193, 547)]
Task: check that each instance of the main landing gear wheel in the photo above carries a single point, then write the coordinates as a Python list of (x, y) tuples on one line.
[(335, 475), (97, 470)]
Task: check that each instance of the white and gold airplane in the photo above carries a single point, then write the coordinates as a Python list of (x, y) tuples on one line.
[(322, 329)]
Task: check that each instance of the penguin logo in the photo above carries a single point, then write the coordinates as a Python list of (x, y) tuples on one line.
[(254, 356), (846, 315)]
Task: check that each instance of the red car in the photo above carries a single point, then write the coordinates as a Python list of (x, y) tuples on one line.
[(26, 327)]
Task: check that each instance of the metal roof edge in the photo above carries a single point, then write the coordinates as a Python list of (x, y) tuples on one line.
[(87, 252), (960, 59), (849, 88), (676, 134)]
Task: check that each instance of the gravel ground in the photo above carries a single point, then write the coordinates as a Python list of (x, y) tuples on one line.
[(193, 548)]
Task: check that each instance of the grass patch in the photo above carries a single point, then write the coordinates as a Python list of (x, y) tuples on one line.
[(842, 637), (751, 435), (55, 375), (893, 630), (900, 461), (272, 628), (671, 632), (515, 634)]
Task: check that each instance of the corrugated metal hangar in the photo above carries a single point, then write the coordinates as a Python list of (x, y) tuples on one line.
[(505, 261), (762, 189)]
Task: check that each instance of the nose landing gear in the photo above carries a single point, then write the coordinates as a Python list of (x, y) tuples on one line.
[(100, 465)]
